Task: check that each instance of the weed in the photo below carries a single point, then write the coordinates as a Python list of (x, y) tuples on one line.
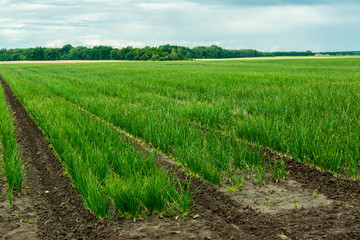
[(234, 188), (20, 216), (268, 202), (315, 193)]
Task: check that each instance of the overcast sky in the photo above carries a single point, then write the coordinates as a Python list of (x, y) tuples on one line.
[(265, 25)]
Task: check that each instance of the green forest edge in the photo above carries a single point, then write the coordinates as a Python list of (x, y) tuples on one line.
[(121, 175), (10, 158), (161, 53)]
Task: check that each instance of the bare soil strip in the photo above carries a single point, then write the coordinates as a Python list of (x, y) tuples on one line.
[(256, 213), (18, 221)]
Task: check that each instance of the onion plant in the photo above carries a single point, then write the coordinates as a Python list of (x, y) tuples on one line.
[(11, 164)]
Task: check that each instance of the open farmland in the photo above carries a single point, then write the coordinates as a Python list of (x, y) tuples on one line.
[(272, 146)]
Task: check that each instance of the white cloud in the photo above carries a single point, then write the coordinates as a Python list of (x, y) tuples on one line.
[(11, 34), (189, 43), (270, 19), (275, 48), (56, 43), (96, 40), (18, 7), (162, 6), (86, 18)]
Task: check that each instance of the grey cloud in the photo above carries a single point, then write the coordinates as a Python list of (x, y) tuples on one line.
[(264, 25), (269, 2)]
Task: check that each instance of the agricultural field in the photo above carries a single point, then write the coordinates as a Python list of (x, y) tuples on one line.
[(258, 149)]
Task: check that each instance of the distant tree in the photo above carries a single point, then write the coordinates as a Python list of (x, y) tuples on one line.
[(198, 52), (173, 55), (77, 53), (30, 54), (115, 54), (102, 52), (188, 55), (130, 55), (165, 48), (155, 57), (214, 51), (146, 56), (309, 53), (65, 49), (51, 54), (161, 53), (180, 53)]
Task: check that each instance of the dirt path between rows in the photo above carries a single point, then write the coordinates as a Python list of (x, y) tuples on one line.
[(256, 211)]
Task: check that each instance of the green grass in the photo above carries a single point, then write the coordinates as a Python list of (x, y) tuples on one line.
[(197, 111), (12, 168)]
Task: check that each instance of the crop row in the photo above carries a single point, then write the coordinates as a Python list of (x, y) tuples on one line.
[(11, 159), (103, 166)]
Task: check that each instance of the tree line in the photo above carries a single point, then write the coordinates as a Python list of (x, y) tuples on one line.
[(161, 53)]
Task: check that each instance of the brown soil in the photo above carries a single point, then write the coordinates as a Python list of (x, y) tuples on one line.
[(259, 212)]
